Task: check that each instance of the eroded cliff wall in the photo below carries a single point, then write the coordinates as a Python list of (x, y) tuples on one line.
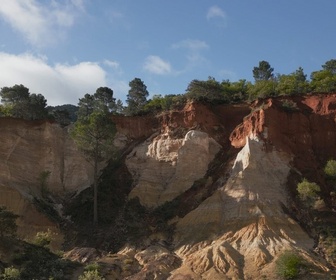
[(241, 229), (27, 150), (242, 156)]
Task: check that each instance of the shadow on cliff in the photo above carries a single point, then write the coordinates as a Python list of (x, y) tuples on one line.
[(123, 221)]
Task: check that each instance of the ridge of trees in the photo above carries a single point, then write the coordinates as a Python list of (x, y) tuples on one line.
[(18, 102)]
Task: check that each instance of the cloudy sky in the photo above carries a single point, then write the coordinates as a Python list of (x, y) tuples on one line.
[(66, 48)]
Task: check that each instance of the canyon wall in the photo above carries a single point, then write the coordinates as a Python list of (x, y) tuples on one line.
[(27, 150), (242, 156), (241, 229), (30, 148)]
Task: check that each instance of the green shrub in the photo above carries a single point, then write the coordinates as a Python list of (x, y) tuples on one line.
[(91, 275), (10, 273), (288, 265), (308, 191), (43, 238), (92, 267), (330, 168)]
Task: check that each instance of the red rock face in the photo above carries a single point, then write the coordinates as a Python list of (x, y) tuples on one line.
[(308, 132), (321, 104), (216, 120)]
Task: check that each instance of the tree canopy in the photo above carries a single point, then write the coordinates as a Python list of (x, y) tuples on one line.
[(137, 96), (263, 72), (330, 66), (18, 102), (292, 84), (308, 191), (101, 101)]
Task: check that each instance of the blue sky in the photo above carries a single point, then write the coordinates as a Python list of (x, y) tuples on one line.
[(66, 48)]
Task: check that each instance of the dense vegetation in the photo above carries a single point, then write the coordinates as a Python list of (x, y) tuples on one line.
[(18, 102)]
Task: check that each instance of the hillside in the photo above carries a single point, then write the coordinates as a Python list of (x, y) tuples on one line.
[(206, 192)]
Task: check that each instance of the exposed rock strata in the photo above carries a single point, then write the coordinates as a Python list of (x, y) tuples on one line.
[(164, 167), (242, 228), (30, 220), (28, 149)]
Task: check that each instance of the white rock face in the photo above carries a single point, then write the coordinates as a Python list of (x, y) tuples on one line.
[(242, 226), (164, 167)]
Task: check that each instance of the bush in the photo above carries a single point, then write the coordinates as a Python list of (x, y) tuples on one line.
[(43, 238), (10, 273), (91, 275), (330, 168), (92, 267), (288, 265), (308, 191)]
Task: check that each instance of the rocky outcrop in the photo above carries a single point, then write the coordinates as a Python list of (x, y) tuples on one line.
[(30, 220), (241, 229), (164, 167), (27, 150), (238, 164), (244, 226)]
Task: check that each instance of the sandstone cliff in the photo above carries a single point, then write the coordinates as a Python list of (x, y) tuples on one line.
[(27, 150), (165, 167), (225, 177), (240, 230)]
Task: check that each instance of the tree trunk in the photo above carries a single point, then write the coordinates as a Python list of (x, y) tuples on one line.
[(95, 193)]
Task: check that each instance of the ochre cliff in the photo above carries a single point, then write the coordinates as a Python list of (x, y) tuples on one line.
[(229, 171), (27, 150), (240, 230)]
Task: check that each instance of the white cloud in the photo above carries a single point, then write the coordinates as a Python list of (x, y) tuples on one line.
[(40, 24), (194, 50), (192, 45), (157, 65), (215, 12), (60, 84), (112, 64)]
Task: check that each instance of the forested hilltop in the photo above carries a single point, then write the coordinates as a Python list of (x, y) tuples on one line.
[(18, 102)]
